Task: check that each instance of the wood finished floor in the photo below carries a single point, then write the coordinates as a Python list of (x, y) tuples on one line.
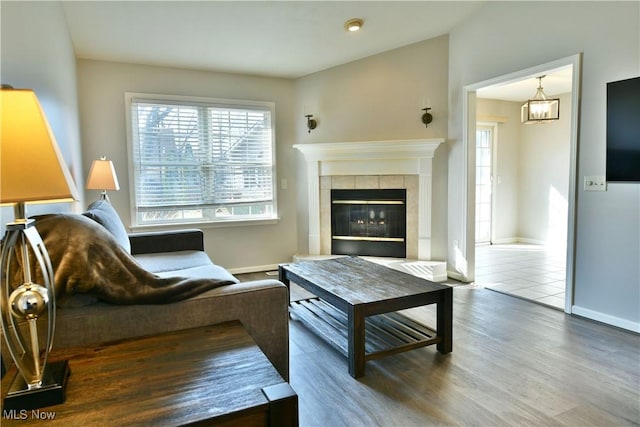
[(513, 363)]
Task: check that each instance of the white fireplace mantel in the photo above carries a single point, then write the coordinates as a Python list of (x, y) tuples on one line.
[(394, 157), (370, 150)]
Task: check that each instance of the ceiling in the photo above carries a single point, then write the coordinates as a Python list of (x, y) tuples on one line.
[(555, 82), (286, 39)]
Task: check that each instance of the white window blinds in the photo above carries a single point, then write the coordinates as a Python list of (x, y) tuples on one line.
[(201, 161)]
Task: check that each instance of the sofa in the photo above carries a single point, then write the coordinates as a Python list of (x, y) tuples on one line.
[(261, 305)]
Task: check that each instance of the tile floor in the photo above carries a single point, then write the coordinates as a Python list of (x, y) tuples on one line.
[(523, 270)]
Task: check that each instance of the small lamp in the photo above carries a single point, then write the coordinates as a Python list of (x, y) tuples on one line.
[(102, 176), (32, 170)]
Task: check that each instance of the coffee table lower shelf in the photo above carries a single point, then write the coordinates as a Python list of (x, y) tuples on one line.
[(385, 334)]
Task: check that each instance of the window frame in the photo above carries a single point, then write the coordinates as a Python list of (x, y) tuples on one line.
[(203, 101)]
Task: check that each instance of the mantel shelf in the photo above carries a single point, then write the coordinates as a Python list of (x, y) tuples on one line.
[(370, 150)]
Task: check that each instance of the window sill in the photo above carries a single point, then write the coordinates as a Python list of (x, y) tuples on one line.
[(205, 225)]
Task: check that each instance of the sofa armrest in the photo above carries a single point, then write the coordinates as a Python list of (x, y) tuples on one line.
[(262, 306), (166, 241)]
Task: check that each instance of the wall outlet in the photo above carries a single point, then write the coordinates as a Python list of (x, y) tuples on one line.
[(595, 183), (284, 184)]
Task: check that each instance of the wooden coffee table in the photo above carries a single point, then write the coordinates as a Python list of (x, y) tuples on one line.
[(356, 303)]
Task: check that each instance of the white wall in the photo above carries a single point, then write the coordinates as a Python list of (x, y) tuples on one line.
[(37, 53), (379, 98), (506, 166), (531, 175), (495, 42), (543, 193), (102, 86)]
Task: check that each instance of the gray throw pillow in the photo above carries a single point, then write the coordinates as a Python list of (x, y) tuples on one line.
[(104, 214)]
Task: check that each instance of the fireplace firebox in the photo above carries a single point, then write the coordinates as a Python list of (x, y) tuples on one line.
[(369, 222)]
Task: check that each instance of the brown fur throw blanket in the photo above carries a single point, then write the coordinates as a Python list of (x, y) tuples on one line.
[(86, 259)]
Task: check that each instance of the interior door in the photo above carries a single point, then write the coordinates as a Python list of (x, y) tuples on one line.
[(484, 183)]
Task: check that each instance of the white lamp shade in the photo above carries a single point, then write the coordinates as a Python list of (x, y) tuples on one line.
[(102, 176), (32, 168)]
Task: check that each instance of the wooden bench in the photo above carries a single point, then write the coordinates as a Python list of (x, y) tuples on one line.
[(204, 376)]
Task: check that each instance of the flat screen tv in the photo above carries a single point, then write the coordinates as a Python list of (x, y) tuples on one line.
[(623, 130)]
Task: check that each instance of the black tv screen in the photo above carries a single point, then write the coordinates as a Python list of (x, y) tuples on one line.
[(623, 130)]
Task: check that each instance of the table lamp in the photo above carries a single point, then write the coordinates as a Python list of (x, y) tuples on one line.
[(32, 170), (102, 176)]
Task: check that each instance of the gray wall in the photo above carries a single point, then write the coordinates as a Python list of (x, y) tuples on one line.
[(37, 54), (493, 43), (376, 99), (102, 86)]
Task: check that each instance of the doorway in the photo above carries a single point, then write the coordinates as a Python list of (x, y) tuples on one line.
[(477, 262)]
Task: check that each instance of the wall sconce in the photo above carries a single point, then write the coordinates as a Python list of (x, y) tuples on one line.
[(311, 123), (427, 117)]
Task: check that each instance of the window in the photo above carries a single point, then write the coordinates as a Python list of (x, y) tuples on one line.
[(484, 182), (197, 160)]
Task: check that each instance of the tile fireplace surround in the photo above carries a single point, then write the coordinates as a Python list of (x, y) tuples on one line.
[(403, 164)]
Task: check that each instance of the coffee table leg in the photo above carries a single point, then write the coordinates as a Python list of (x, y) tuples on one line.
[(355, 319), (444, 327), (282, 276)]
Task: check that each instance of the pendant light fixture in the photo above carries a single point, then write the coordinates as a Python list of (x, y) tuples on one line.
[(540, 109)]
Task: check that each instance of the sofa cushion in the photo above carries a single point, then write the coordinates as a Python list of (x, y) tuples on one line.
[(193, 264), (104, 214)]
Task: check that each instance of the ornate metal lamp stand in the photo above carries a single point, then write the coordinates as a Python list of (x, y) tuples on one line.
[(37, 383)]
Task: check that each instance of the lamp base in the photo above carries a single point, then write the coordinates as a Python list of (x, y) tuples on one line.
[(52, 392)]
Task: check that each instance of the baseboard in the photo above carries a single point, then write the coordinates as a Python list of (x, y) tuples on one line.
[(531, 241), (506, 241), (512, 240), (606, 318), (253, 269), (456, 276)]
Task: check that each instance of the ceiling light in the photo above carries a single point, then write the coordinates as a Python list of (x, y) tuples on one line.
[(540, 109), (353, 25)]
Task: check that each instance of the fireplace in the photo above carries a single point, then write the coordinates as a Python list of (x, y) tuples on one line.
[(374, 165), (369, 222), (397, 164)]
